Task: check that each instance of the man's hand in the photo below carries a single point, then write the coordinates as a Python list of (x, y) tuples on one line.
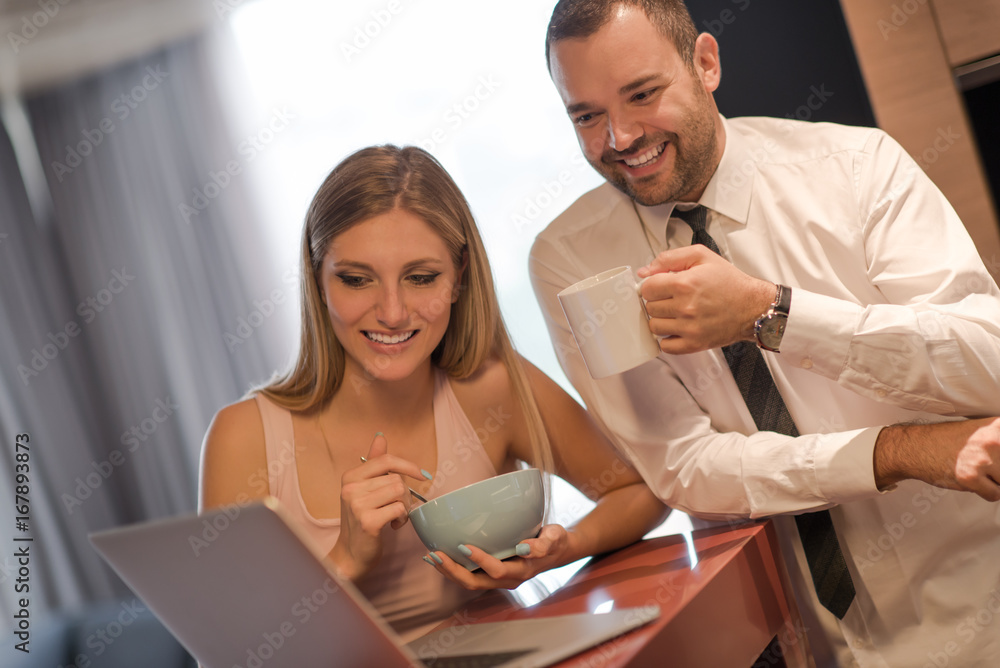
[(697, 300), (963, 456)]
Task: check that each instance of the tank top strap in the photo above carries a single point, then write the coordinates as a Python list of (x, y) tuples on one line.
[(279, 443), (461, 458)]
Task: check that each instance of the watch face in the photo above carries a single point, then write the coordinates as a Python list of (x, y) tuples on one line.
[(771, 330)]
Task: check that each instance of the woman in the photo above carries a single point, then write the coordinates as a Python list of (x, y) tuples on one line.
[(406, 378)]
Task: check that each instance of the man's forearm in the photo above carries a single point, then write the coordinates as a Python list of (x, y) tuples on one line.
[(962, 455)]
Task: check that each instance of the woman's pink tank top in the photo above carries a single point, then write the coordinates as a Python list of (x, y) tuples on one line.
[(402, 587)]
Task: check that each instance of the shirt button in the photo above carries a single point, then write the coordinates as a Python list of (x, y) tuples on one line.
[(880, 394), (806, 363)]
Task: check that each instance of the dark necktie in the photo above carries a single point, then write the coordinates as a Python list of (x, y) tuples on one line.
[(819, 539)]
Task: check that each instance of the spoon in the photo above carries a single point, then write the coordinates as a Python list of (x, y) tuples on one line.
[(412, 491)]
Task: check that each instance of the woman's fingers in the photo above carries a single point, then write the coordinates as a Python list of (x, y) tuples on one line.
[(377, 484), (487, 562), (473, 580), (370, 479), (388, 469), (380, 462), (373, 521), (385, 464), (447, 567), (371, 494), (550, 539), (379, 446), (492, 574)]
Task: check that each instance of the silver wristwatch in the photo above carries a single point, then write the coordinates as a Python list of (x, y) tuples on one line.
[(770, 327)]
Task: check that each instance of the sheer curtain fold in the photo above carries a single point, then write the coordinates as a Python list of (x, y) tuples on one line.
[(132, 300)]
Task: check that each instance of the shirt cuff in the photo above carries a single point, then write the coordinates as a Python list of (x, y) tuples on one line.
[(845, 468), (819, 332)]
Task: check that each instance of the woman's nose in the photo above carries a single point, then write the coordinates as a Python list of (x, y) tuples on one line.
[(391, 309)]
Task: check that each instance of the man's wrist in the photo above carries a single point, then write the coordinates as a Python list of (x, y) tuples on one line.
[(769, 327), (885, 463), (761, 301)]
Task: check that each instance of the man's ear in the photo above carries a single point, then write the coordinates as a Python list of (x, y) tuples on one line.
[(706, 61)]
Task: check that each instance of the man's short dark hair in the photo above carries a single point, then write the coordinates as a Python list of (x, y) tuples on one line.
[(582, 18)]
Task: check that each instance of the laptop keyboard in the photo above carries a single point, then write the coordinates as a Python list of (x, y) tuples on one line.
[(475, 660)]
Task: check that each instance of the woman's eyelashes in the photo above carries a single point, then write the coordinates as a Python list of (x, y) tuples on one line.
[(353, 280), (423, 279), (419, 280)]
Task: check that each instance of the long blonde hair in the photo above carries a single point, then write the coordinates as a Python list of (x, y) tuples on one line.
[(370, 182)]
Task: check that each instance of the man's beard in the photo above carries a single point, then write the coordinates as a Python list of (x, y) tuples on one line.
[(694, 161)]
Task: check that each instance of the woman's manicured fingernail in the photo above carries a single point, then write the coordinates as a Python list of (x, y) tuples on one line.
[(426, 474), (522, 549), (436, 558), (464, 550), (428, 560), (378, 433)]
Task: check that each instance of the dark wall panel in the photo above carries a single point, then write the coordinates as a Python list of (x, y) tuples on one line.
[(785, 58), (983, 105)]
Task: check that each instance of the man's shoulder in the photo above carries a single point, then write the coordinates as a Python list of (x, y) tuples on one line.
[(785, 139)]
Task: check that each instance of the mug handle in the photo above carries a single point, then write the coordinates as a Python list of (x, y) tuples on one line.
[(638, 291)]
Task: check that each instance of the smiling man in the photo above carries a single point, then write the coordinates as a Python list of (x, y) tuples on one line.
[(809, 286)]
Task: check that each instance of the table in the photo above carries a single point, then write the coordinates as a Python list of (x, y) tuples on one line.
[(721, 592)]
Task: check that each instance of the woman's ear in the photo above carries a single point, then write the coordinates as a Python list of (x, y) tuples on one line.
[(321, 291), (459, 282)]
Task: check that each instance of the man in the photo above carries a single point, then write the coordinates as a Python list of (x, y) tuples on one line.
[(886, 316)]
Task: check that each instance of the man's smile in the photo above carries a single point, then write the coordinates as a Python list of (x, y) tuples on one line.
[(645, 157)]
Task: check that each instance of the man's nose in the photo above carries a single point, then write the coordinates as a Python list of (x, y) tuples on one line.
[(622, 132)]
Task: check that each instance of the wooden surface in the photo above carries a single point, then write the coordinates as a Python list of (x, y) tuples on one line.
[(912, 90), (718, 609), (970, 29)]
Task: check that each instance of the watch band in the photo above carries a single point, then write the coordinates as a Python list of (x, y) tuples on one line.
[(770, 326), (782, 300)]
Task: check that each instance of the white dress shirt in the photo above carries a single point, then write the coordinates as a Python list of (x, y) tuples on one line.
[(894, 318)]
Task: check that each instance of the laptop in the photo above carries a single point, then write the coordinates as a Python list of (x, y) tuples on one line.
[(242, 587)]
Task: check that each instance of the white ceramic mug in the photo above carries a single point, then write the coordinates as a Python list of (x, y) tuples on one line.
[(609, 322)]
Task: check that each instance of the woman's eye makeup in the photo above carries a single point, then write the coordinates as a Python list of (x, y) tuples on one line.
[(358, 281), (423, 279), (352, 280)]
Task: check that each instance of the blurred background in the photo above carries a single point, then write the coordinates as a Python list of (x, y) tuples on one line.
[(156, 161)]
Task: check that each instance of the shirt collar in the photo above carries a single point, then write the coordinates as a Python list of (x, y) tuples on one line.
[(730, 188), (728, 191)]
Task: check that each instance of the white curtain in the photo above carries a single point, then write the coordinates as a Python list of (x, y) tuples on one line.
[(128, 316)]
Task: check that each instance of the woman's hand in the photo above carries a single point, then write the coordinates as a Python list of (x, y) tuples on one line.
[(554, 546), (372, 496)]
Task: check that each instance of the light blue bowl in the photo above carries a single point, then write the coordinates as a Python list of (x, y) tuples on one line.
[(493, 514)]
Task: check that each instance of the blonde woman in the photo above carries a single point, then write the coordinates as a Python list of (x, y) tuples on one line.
[(404, 361)]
